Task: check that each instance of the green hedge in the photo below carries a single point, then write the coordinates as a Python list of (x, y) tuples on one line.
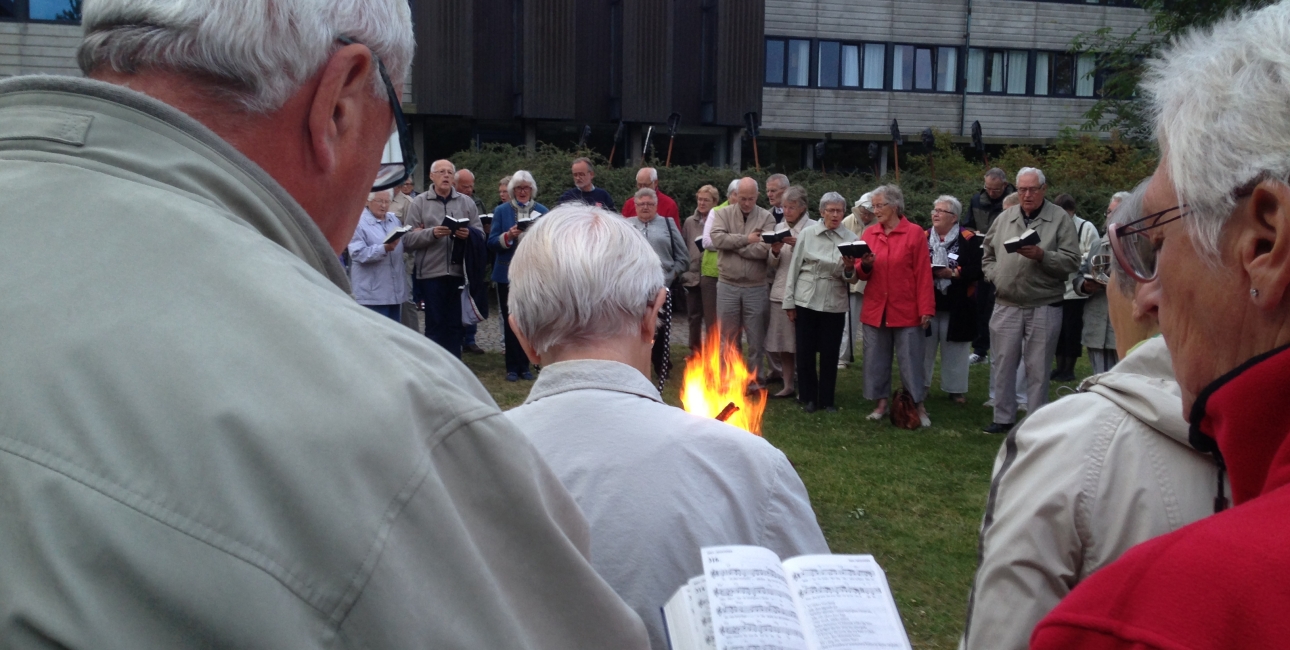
[(1088, 169)]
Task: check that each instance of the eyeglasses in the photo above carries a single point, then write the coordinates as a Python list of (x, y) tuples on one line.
[(879, 206), (940, 211), (1134, 249), (400, 156), (1029, 190)]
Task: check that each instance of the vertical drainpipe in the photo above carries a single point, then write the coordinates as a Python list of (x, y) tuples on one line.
[(967, 45)]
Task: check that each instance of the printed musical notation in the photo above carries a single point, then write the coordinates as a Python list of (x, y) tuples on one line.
[(839, 590), (743, 573), (752, 603)]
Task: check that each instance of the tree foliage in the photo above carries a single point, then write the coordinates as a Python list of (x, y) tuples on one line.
[(1122, 109), (1089, 169)]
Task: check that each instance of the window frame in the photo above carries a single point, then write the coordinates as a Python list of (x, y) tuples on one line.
[(22, 14), (935, 49), (816, 57)]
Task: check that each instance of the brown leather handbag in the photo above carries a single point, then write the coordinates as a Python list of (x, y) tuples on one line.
[(904, 411)]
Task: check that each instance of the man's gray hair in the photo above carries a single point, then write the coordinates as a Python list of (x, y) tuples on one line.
[(955, 206), (518, 177), (644, 192), (830, 198), (506, 180), (892, 195), (583, 275), (389, 193), (732, 188), (456, 176), (1221, 102), (259, 52), (586, 161), (451, 167), (996, 174), (778, 179), (1039, 174), (795, 194), (653, 173)]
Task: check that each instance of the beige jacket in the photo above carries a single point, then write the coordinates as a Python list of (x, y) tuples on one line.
[(739, 262), (692, 229), (817, 275), (1020, 281), (1076, 485), (220, 448), (399, 205), (776, 262)]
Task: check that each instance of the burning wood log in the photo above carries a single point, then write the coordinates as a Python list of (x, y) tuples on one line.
[(726, 412)]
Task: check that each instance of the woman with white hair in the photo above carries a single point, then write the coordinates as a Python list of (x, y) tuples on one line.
[(781, 336), (701, 280), (655, 483), (860, 218), (504, 237), (376, 273), (673, 258), (956, 270), (898, 302), (1211, 252), (815, 300)]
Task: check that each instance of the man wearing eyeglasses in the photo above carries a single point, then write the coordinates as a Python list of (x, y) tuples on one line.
[(219, 447), (439, 266), (584, 189), (1029, 287)]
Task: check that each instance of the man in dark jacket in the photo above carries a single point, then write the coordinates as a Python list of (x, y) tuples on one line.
[(985, 206), (585, 190)]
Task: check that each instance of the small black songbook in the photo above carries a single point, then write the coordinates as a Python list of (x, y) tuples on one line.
[(698, 241), (773, 237), (1028, 238), (486, 219), (527, 222), (856, 249), (454, 224), (397, 234)]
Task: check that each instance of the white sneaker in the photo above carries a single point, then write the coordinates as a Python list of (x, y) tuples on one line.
[(974, 359), (989, 402), (924, 420), (842, 365)]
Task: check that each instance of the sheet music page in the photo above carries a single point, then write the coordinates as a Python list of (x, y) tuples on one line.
[(702, 610), (846, 603), (750, 600)]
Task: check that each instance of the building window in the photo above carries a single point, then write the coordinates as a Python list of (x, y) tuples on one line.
[(875, 65), (997, 71), (851, 66), (1085, 69), (799, 63), (829, 64), (947, 69), (68, 11), (774, 61)]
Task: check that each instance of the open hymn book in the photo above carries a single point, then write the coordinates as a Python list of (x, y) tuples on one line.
[(746, 598)]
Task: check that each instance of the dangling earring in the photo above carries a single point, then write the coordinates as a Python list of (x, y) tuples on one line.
[(1254, 293)]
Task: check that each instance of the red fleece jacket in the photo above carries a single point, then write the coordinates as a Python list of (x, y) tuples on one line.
[(900, 283), (1224, 581)]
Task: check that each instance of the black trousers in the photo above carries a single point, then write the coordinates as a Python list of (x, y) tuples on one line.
[(818, 334), (1068, 342), (984, 310), (516, 361), (443, 311)]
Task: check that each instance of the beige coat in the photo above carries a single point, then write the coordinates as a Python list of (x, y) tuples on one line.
[(218, 447), (739, 262), (1020, 281), (692, 229), (1077, 484)]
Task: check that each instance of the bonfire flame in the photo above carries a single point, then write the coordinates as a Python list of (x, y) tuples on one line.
[(716, 382)]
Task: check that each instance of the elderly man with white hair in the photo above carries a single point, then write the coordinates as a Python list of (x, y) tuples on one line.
[(1029, 285), (743, 296), (656, 483), (647, 178), (222, 448), (1209, 252)]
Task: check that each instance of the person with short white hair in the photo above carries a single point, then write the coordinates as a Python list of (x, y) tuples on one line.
[(956, 270), (225, 450), (743, 297), (656, 483), (673, 257), (781, 336), (1029, 285), (503, 241), (775, 186), (376, 271), (647, 177)]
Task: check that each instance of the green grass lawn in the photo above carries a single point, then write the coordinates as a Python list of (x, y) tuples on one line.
[(913, 499)]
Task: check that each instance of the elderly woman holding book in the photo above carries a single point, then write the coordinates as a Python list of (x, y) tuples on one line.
[(956, 269), (815, 299), (673, 257), (898, 301), (656, 483), (699, 280), (781, 337), (509, 221)]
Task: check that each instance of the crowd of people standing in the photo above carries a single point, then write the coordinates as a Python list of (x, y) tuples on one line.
[(771, 278)]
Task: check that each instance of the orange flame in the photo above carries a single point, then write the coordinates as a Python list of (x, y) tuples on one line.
[(717, 377)]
